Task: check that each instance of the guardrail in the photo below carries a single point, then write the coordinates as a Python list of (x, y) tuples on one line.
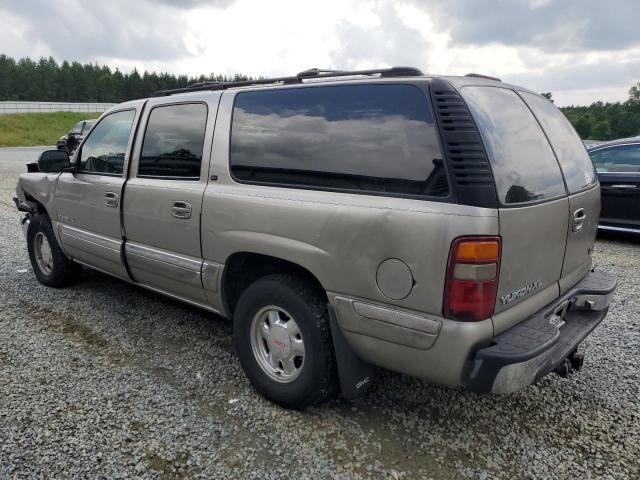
[(35, 107)]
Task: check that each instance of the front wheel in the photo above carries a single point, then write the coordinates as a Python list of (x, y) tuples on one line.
[(50, 265), (281, 332)]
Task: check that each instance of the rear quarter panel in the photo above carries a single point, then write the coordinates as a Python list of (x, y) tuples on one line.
[(341, 238)]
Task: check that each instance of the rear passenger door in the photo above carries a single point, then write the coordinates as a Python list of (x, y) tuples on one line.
[(163, 196)]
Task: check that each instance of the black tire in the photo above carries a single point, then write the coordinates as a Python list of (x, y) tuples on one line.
[(317, 379), (63, 271)]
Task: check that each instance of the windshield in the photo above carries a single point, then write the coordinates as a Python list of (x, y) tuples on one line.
[(76, 129), (87, 126)]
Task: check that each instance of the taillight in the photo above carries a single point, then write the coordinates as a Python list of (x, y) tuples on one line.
[(472, 278)]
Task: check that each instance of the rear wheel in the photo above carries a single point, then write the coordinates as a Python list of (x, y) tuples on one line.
[(281, 332), (50, 265)]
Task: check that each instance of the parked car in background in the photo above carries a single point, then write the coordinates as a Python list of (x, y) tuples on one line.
[(441, 227), (592, 143), (618, 166), (70, 140)]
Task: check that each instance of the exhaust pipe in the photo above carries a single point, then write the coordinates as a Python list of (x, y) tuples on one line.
[(564, 369), (577, 361), (573, 362)]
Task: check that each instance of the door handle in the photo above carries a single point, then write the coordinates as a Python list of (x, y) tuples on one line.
[(181, 209), (579, 216), (111, 199)]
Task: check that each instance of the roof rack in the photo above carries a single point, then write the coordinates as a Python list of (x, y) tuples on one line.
[(312, 73), (479, 75)]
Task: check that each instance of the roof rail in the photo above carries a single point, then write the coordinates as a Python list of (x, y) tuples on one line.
[(479, 75), (312, 73)]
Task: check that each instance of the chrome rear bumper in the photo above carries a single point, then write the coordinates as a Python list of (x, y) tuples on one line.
[(538, 345)]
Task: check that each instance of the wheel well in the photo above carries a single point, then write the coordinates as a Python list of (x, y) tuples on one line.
[(39, 206), (244, 268)]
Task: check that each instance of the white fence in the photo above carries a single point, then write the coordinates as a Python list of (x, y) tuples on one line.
[(34, 107)]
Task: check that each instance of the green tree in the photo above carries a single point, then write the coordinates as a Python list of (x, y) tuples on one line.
[(601, 131), (547, 95), (634, 92), (583, 125)]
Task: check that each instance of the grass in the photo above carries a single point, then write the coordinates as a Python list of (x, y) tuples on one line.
[(29, 129)]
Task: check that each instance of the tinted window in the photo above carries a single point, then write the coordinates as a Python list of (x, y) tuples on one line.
[(173, 141), (375, 138), (570, 151), (623, 158), (77, 128), (524, 166), (104, 150)]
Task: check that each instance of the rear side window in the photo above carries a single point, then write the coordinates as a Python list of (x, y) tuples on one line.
[(524, 166), (570, 151), (622, 158), (173, 142), (371, 138)]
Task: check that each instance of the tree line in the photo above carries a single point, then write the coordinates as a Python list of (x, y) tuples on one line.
[(48, 80)]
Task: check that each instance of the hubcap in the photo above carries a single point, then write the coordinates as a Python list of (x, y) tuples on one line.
[(277, 344), (42, 251)]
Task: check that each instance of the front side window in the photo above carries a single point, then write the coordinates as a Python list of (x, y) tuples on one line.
[(371, 138), (570, 151), (173, 142), (105, 149), (621, 158), (524, 166)]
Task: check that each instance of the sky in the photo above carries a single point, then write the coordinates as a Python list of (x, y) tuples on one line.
[(581, 50)]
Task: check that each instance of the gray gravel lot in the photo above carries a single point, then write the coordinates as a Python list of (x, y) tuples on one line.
[(106, 380)]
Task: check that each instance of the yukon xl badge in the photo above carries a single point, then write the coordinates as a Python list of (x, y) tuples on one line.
[(518, 294)]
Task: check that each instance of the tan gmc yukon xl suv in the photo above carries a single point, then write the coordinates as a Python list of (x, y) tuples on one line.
[(437, 226)]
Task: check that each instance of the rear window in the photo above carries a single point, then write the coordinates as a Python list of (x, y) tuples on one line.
[(524, 166), (570, 151), (622, 159), (361, 138)]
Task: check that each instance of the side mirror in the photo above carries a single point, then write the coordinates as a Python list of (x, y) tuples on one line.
[(53, 161)]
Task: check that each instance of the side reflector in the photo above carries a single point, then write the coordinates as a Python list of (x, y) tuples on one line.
[(472, 278)]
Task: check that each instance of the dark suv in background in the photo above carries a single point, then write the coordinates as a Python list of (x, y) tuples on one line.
[(70, 140)]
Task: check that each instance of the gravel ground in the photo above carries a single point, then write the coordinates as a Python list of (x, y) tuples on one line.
[(108, 380)]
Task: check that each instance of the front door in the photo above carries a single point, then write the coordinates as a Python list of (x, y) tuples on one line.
[(87, 201), (163, 197)]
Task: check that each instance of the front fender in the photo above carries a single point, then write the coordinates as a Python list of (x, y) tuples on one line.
[(37, 190)]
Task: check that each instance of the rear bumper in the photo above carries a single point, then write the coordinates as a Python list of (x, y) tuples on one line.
[(536, 346)]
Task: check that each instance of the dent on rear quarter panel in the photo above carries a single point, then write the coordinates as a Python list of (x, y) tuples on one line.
[(342, 238)]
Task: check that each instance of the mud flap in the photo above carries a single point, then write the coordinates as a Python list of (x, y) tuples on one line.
[(356, 376)]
